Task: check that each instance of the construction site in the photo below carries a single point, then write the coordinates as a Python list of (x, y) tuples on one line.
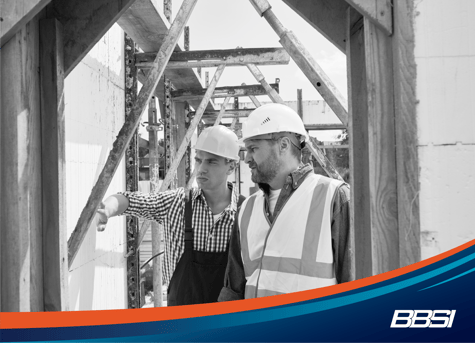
[(106, 96)]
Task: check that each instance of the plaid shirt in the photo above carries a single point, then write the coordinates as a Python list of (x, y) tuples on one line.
[(168, 209)]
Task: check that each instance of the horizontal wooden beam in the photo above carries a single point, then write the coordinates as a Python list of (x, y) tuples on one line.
[(324, 127), (222, 92), (379, 12), (334, 146), (214, 58), (14, 14)]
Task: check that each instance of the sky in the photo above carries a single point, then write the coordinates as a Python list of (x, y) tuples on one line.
[(228, 24)]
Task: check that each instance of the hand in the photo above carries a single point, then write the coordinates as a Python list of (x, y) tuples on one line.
[(102, 218)]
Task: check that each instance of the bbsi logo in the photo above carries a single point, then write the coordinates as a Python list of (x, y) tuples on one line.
[(423, 319)]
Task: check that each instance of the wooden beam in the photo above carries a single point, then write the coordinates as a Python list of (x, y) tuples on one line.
[(240, 113), (381, 148), (186, 140), (213, 58), (15, 14), (128, 129), (405, 103), (21, 214), (327, 16), (85, 22), (271, 92), (55, 249), (222, 92), (358, 141), (305, 61), (315, 127), (378, 11)]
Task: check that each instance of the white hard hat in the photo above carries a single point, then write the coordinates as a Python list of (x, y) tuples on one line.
[(219, 140), (272, 118)]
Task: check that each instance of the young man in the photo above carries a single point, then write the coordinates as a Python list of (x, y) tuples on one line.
[(195, 262), (294, 233)]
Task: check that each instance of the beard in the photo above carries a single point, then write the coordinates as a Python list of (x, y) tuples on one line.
[(267, 170)]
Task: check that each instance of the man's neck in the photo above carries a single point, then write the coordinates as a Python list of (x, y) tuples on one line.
[(218, 199), (279, 180)]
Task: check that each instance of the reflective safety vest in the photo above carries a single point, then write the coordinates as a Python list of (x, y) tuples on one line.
[(295, 252)]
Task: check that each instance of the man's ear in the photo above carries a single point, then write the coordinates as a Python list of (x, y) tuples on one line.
[(284, 144), (232, 166)]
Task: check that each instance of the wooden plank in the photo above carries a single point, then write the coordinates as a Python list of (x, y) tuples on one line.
[(55, 257), (381, 149), (405, 103), (307, 64), (315, 127), (378, 11), (327, 16), (222, 92), (15, 14), (21, 250), (127, 130), (213, 58), (85, 22), (358, 141), (132, 177), (192, 128)]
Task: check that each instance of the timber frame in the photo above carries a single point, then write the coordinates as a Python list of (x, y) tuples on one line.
[(53, 36)]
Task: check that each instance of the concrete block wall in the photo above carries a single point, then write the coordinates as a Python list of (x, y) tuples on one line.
[(94, 111), (445, 58)]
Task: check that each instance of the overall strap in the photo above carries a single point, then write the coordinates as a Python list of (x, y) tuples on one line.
[(188, 222)]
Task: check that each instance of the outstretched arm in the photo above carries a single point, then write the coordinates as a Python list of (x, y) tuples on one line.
[(112, 206)]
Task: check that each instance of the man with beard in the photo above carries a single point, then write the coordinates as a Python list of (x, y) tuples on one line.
[(294, 233), (197, 224)]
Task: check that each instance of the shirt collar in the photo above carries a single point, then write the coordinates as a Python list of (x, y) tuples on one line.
[(198, 192), (294, 179)]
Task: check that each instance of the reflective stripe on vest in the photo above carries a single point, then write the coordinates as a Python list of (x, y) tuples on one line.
[(297, 248)]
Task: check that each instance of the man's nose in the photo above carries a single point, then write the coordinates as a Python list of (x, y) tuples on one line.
[(202, 169), (248, 158)]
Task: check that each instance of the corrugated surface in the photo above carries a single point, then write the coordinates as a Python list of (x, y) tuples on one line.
[(94, 98), (445, 57)]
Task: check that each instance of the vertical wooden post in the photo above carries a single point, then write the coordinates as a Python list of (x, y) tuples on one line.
[(372, 147), (21, 214), (299, 103), (154, 187), (382, 148), (406, 133), (237, 171), (180, 120), (167, 9), (55, 249), (132, 178), (168, 129), (187, 38), (358, 133)]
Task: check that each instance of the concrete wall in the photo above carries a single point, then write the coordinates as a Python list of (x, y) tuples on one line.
[(445, 58), (94, 98)]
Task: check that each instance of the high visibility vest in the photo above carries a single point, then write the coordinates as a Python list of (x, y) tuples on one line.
[(295, 252)]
